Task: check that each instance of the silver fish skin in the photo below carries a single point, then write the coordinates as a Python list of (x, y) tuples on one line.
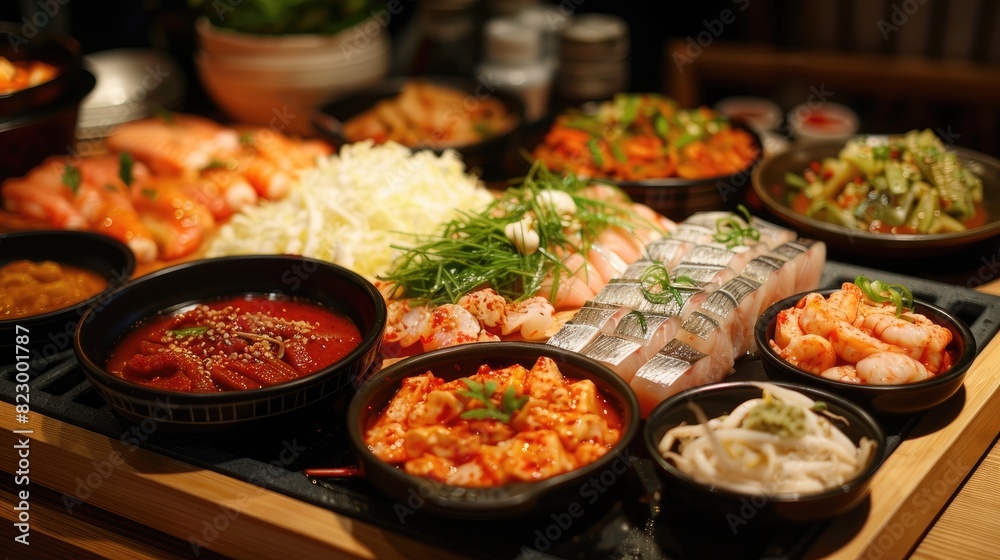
[(595, 315), (710, 255), (637, 269), (668, 251), (770, 233), (627, 294), (759, 270), (694, 233), (621, 355), (640, 327), (663, 370), (574, 336)]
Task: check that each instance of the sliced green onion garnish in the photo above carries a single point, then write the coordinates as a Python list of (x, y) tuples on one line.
[(878, 291), (190, 331), (732, 232), (595, 151), (639, 317), (658, 287)]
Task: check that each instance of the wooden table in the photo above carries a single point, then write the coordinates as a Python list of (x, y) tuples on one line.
[(139, 504)]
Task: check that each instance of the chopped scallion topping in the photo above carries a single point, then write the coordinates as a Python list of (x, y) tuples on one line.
[(482, 392), (658, 287), (71, 178), (190, 331), (733, 232), (125, 164), (878, 291)]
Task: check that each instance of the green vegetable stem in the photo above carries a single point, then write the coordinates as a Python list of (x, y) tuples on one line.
[(483, 393)]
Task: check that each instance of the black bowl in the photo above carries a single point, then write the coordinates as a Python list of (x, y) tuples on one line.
[(27, 138), (480, 157), (24, 42), (908, 398), (511, 500), (718, 399), (770, 187), (51, 334), (165, 290)]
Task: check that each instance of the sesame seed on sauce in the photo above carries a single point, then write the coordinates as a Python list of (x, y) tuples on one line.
[(276, 343)]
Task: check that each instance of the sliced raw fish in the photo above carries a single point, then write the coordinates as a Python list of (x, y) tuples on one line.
[(591, 320), (636, 270), (620, 354), (673, 369), (574, 336), (668, 252), (707, 277)]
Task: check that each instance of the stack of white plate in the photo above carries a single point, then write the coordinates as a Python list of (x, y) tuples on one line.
[(277, 80), (132, 84)]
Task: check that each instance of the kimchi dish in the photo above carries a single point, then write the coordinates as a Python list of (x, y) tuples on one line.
[(425, 115), (495, 427), (636, 137), (237, 343)]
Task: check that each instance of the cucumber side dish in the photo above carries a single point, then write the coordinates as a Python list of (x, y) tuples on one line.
[(891, 184)]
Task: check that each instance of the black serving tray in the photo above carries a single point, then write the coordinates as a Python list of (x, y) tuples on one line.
[(624, 516)]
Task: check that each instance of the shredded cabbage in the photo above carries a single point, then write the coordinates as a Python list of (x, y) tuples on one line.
[(354, 205)]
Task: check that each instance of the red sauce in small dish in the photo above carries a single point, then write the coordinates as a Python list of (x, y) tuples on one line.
[(237, 343)]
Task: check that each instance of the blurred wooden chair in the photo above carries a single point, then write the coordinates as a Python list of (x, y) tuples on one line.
[(897, 56)]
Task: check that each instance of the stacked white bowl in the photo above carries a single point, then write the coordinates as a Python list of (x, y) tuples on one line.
[(277, 80)]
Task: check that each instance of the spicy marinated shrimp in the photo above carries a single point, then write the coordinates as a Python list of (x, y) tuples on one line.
[(853, 344), (181, 145), (889, 368), (908, 336), (444, 325), (786, 326), (405, 325), (531, 318), (810, 352), (935, 355), (450, 325), (847, 300), (105, 201), (817, 316), (178, 223), (487, 305), (846, 374)]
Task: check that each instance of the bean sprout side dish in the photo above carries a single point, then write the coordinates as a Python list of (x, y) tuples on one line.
[(782, 443)]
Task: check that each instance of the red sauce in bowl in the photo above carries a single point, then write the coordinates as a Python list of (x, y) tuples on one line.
[(237, 343)]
